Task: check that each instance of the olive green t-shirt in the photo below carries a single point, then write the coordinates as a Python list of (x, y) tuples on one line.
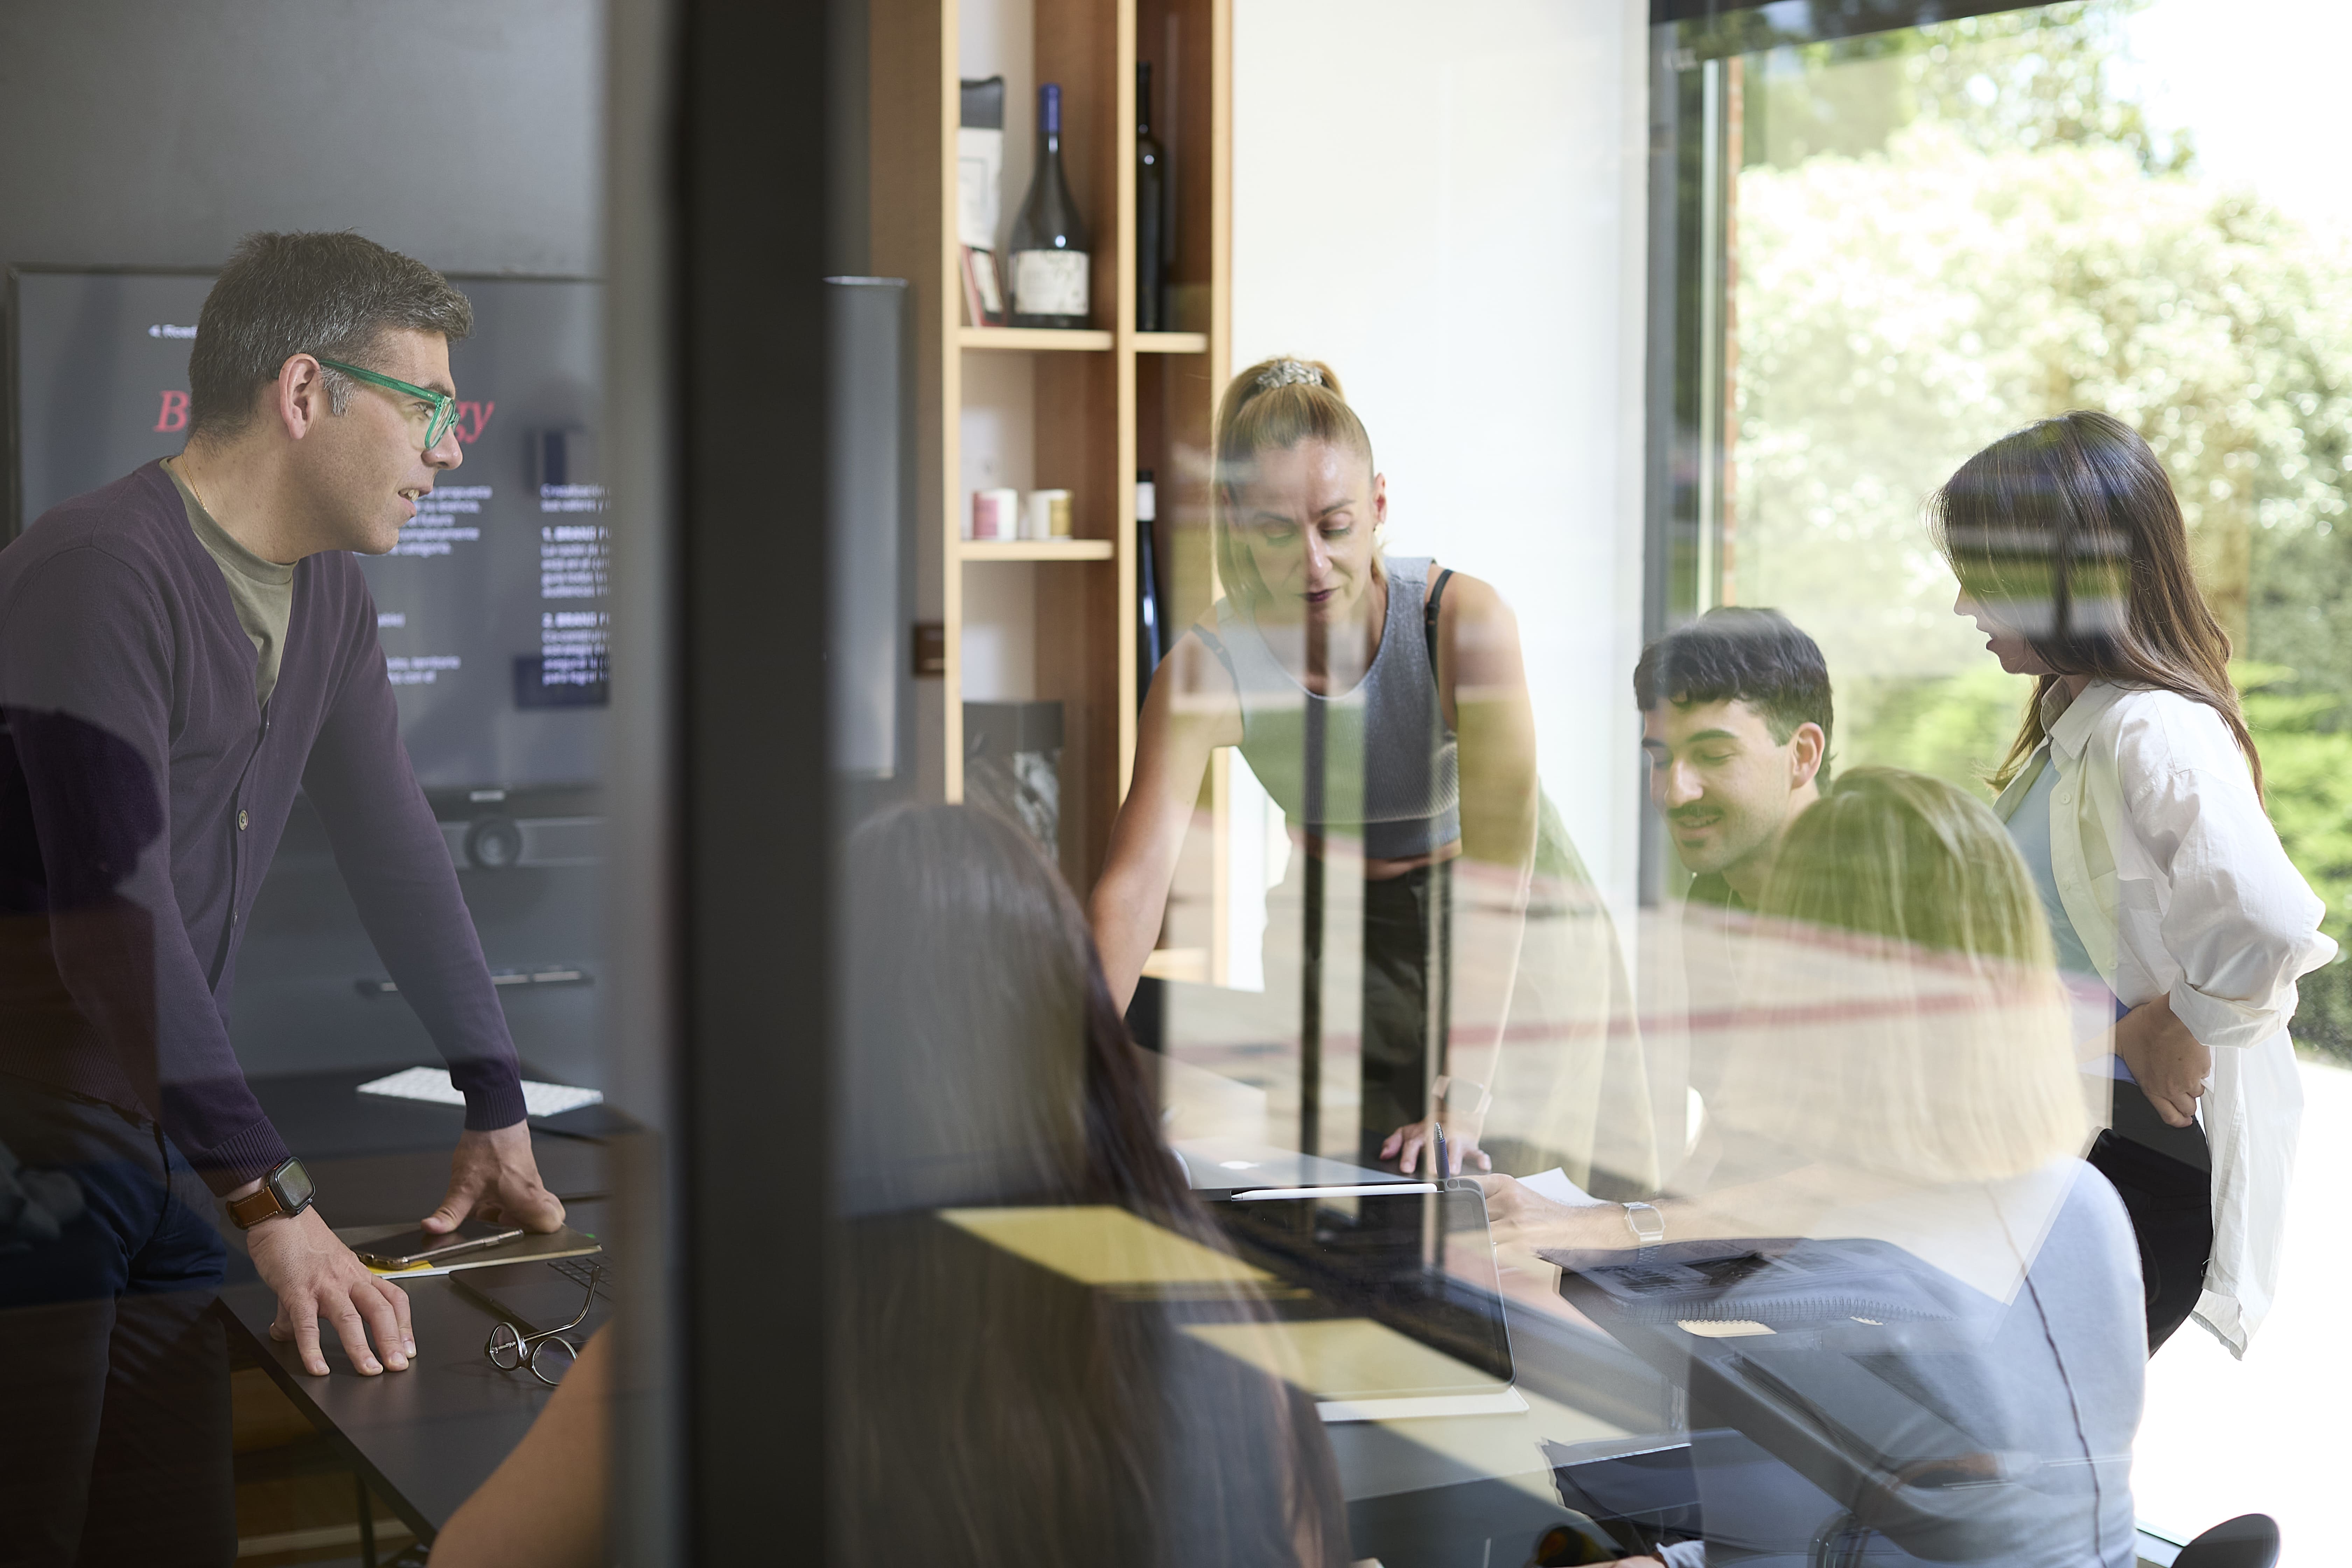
[(262, 591)]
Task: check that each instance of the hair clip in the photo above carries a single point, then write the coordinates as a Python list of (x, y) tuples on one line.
[(1289, 373)]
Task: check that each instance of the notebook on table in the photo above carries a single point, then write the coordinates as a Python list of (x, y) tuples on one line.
[(1396, 1309)]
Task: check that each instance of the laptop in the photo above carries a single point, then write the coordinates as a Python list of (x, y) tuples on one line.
[(1396, 1306), (1234, 1164)]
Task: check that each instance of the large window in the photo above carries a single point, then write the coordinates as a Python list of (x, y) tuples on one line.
[(1888, 250)]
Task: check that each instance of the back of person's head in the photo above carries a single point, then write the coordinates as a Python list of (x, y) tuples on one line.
[(1735, 653), (1274, 404), (2068, 530), (1913, 860), (985, 1061), (1924, 1034), (1007, 1403), (332, 295)]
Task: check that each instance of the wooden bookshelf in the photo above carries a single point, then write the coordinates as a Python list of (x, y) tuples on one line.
[(1102, 403)]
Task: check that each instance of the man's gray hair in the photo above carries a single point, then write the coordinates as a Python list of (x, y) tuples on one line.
[(333, 295)]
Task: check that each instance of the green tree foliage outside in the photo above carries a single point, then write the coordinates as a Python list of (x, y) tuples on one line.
[(1944, 232)]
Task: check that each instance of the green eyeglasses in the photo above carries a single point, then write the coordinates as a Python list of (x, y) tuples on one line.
[(445, 408)]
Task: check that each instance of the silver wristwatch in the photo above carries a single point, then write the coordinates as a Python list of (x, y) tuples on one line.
[(1460, 1096), (1649, 1228)]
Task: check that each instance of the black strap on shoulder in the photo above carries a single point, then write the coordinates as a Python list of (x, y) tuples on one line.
[(1429, 617), (1211, 641)]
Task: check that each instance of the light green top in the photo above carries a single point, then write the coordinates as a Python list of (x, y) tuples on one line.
[(262, 591)]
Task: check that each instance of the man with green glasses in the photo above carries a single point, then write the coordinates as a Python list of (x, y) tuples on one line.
[(180, 652), (438, 411)]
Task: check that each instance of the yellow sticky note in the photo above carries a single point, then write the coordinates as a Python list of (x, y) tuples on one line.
[(1102, 1245)]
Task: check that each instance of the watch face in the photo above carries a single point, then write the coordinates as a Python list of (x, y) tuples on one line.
[(291, 1183)]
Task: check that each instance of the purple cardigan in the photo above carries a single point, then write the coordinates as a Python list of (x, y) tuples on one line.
[(142, 794)]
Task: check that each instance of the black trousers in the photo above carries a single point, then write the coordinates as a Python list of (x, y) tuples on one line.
[(2164, 1176), (1407, 997), (114, 1393)]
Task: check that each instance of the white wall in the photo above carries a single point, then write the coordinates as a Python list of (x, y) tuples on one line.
[(1445, 202)]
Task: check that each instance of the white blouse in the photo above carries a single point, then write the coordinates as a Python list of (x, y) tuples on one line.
[(2176, 885)]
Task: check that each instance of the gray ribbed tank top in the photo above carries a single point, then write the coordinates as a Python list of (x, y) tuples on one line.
[(1389, 766)]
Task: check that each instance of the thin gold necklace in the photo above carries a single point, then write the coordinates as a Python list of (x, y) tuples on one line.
[(190, 480)]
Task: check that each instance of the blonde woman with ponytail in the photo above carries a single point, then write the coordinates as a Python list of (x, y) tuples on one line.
[(1380, 701), (2133, 792)]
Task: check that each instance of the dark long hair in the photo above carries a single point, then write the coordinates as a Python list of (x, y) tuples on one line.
[(998, 1407), (987, 1063), (2068, 530)]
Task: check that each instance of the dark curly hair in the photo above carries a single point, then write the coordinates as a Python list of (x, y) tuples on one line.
[(1735, 653)]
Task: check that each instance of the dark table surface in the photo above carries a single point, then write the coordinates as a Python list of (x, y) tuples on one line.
[(426, 1438), (1433, 1492), (382, 1162), (423, 1438)]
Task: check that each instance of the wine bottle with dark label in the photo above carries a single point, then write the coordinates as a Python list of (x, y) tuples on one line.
[(1154, 236), (1049, 244), (1149, 635)]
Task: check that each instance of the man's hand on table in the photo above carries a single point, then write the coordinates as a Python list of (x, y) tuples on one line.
[(495, 1176), (315, 1275)]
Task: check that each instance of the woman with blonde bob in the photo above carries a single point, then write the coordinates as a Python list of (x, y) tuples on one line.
[(1912, 1025), (1904, 1032), (2133, 792), (1903, 1123)]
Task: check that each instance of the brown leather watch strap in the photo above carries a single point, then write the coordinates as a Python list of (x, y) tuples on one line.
[(254, 1208)]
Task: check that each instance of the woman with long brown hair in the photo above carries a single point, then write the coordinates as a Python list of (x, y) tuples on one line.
[(1021, 1254), (2133, 792)]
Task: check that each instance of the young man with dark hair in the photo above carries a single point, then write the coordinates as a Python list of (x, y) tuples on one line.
[(180, 651), (1735, 719)]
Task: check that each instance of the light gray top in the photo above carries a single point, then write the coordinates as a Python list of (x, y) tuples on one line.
[(1390, 764)]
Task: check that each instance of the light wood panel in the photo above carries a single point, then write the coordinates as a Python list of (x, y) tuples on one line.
[(977, 549), (1034, 338)]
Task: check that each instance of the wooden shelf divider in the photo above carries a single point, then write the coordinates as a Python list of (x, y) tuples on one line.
[(977, 549), (1033, 339)]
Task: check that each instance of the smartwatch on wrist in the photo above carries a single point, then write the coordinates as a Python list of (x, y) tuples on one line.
[(1460, 1096), (285, 1191), (1649, 1229)]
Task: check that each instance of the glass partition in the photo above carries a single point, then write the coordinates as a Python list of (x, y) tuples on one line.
[(1174, 781)]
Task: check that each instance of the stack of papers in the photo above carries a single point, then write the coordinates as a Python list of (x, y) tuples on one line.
[(1556, 1185), (433, 1085)]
